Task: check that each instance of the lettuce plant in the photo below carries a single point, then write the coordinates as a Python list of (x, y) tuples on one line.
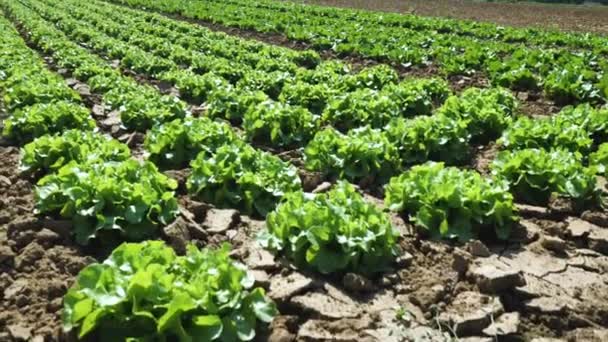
[(599, 159), (126, 198), (424, 138), (26, 88), (451, 203), (337, 231), (232, 104), (174, 144), (487, 112), (239, 176), (51, 152), (278, 124), (360, 108), (145, 292), (546, 133), (314, 97), (535, 174), (46, 118), (374, 77), (418, 96), (362, 153)]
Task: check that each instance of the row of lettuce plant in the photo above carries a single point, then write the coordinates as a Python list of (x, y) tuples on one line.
[(565, 76), (302, 106), (91, 179)]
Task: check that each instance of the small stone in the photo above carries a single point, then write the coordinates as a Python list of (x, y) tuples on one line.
[(553, 243), (29, 255), (260, 259), (112, 119), (261, 278), (598, 240), (5, 181), (281, 329), (506, 324), (98, 111), (19, 332), (599, 218), (323, 187), (282, 288), (324, 306), (37, 338), (477, 248), (461, 262), (470, 312), (404, 260), (493, 280), (357, 283), (561, 205), (526, 210), (220, 220), (46, 235), (578, 228), (15, 289), (83, 89), (526, 231), (177, 234), (588, 334), (523, 96), (6, 254), (546, 305)]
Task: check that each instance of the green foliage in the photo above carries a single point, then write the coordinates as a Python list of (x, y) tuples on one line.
[(360, 108), (50, 152), (143, 110), (553, 132), (279, 124), (127, 198), (39, 119), (487, 112), (375, 77), (451, 203), (424, 138), (26, 88), (144, 292), (195, 87), (534, 175), (418, 96), (239, 176), (361, 154), (174, 144), (314, 97), (599, 160), (232, 104), (337, 231)]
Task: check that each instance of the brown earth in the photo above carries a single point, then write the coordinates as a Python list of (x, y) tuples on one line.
[(549, 280), (579, 18)]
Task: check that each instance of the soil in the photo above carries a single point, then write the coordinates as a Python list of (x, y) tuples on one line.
[(548, 280), (577, 18)]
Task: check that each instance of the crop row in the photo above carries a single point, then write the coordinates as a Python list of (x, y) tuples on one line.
[(566, 77), (145, 290)]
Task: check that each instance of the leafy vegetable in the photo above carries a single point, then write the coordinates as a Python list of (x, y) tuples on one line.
[(279, 124), (174, 144), (145, 292), (331, 232), (535, 174), (51, 152), (362, 153), (239, 176), (451, 203), (232, 104), (418, 96), (46, 118), (487, 112), (599, 159), (126, 198), (424, 138), (360, 108)]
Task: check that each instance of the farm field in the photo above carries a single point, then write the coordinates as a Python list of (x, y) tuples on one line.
[(272, 171)]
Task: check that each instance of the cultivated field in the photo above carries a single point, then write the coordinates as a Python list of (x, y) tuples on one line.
[(263, 170)]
